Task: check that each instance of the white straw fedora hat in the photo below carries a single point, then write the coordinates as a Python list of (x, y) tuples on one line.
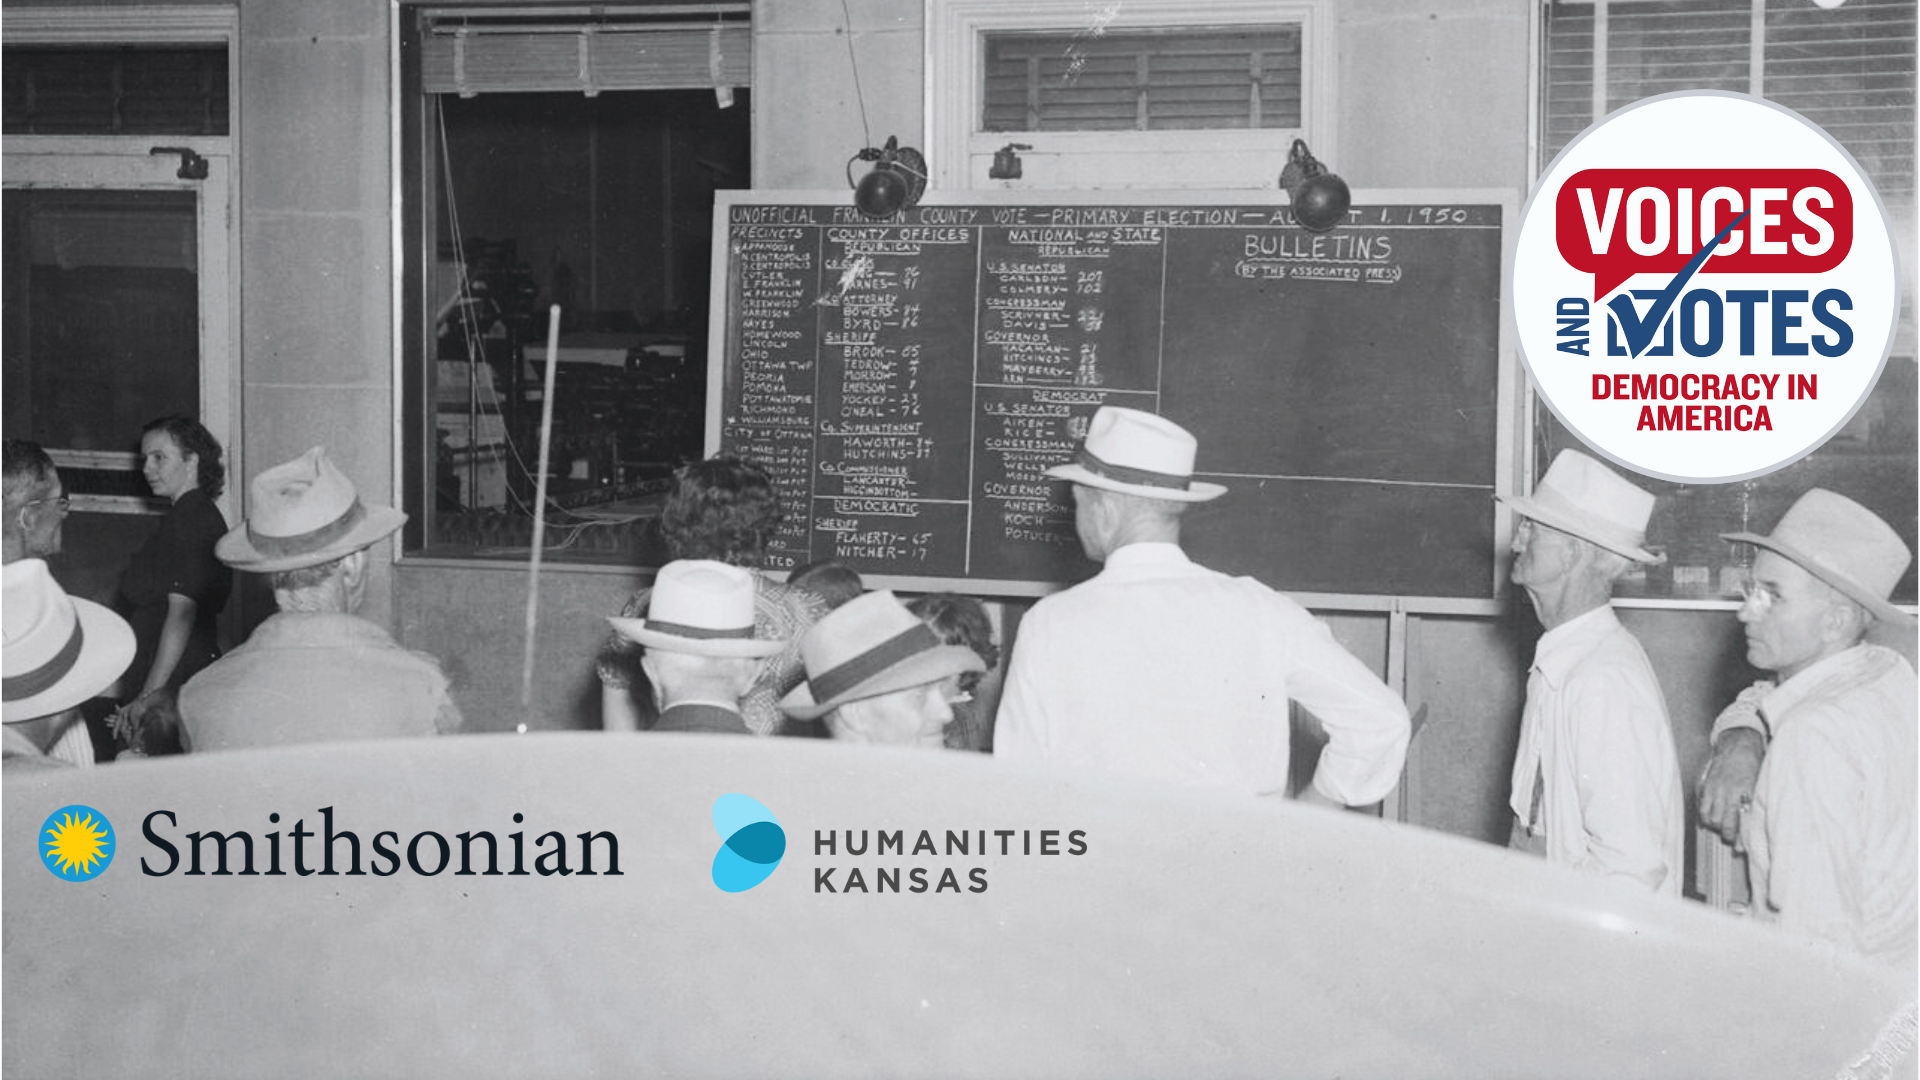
[(59, 651), (701, 607), (868, 646), (303, 513), (1843, 544), (1583, 497), (1138, 453)]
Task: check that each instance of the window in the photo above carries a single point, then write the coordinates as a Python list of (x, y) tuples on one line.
[(1203, 94), (1849, 69), (125, 90), (552, 160), (120, 275), (1142, 81)]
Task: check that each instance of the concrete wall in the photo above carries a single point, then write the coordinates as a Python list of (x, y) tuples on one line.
[(315, 243)]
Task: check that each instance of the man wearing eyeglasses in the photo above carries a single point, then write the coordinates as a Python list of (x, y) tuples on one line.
[(36, 505), (1596, 780), (1830, 826)]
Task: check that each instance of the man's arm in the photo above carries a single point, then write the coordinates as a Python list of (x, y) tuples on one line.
[(1366, 723), (1739, 742), (1020, 724), (446, 718)]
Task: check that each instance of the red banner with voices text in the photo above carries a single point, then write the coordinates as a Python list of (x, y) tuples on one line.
[(1615, 223)]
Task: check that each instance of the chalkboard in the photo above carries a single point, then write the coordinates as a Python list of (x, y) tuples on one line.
[(909, 379)]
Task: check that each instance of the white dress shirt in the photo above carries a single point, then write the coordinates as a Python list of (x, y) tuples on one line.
[(1595, 734), (1162, 669)]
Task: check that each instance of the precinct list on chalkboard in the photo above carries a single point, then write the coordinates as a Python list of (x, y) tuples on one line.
[(908, 381)]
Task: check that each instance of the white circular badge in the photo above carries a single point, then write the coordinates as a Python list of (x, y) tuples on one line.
[(1704, 286)]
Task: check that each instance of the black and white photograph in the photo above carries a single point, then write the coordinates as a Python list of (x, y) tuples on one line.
[(960, 538)]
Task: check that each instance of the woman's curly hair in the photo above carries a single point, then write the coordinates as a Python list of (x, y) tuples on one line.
[(722, 508), (960, 620), (192, 438)]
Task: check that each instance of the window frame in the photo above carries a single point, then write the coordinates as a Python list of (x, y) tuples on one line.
[(958, 152), (414, 203), (85, 162)]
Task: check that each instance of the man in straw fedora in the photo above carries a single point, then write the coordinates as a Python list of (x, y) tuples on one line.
[(700, 653), (1830, 826), (315, 671), (1596, 781), (58, 652), (1160, 668), (876, 673)]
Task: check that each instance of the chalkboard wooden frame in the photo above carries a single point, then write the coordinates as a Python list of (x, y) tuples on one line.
[(1512, 422)]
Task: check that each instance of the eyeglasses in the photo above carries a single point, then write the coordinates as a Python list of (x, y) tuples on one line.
[(64, 502), (1759, 597)]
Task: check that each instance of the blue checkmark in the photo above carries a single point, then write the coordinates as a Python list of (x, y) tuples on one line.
[(1639, 330)]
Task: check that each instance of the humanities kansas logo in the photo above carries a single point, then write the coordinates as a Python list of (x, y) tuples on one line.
[(754, 843), (76, 843), (1705, 286)]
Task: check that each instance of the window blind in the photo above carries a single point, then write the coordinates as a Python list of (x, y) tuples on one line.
[(1226, 78), (116, 91), (1849, 69), (685, 47)]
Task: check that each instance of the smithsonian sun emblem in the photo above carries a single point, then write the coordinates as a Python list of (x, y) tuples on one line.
[(76, 843)]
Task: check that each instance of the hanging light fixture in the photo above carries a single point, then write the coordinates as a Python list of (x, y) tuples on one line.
[(895, 183), (1320, 199)]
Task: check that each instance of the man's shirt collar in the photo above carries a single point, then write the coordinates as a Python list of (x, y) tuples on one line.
[(1147, 553), (1562, 648), (1844, 666)]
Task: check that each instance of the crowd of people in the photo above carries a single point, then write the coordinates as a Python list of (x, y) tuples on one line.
[(1156, 668)]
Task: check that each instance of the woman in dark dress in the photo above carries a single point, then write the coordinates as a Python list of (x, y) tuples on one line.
[(173, 588)]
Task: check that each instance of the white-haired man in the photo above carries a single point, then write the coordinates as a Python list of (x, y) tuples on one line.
[(1596, 782), (1160, 668), (700, 653), (36, 505), (877, 674), (315, 671), (1830, 827)]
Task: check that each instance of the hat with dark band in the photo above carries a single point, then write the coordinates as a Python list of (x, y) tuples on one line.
[(1843, 544), (1138, 453), (869, 646), (303, 513), (702, 607), (59, 650)]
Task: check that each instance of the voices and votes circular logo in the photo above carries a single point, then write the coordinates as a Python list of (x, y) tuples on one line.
[(1705, 286)]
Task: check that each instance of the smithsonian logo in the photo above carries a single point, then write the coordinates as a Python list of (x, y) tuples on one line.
[(76, 843)]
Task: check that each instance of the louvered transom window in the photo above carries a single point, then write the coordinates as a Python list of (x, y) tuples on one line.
[(177, 90), (1849, 69), (470, 51), (1143, 81)]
